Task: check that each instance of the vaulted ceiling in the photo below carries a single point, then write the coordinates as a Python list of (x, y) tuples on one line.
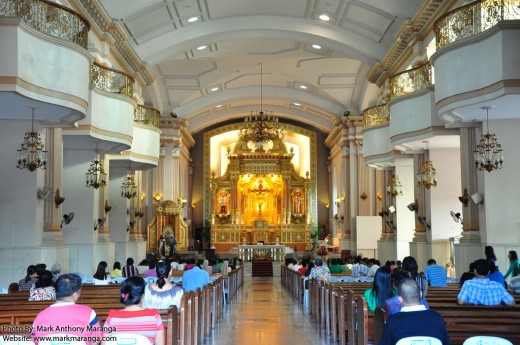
[(208, 70)]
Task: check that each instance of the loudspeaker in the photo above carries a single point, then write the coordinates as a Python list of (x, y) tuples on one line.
[(476, 198)]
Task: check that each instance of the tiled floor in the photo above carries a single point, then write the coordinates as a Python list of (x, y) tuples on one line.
[(264, 313)]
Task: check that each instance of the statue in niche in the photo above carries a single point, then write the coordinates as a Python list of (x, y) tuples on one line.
[(298, 202), (167, 243), (223, 200)]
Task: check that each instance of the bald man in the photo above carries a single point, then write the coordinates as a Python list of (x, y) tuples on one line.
[(413, 319)]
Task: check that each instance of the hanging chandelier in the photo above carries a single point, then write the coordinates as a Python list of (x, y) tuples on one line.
[(96, 176), (32, 155), (128, 188), (426, 177), (260, 129), (394, 187), (488, 154)]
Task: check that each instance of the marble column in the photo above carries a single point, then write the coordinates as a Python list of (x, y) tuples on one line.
[(387, 244), (420, 248)]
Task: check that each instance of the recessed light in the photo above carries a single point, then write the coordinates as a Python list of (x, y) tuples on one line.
[(202, 47), (193, 19), (324, 17), (316, 46), (296, 104), (303, 87), (213, 89), (219, 106)]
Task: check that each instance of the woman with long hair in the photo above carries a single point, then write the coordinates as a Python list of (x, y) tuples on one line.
[(134, 318), (381, 289), (489, 252), (162, 294), (514, 264), (101, 277), (43, 289), (410, 266)]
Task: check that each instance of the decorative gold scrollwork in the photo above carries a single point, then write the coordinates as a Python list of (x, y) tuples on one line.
[(410, 81), (147, 115), (377, 115), (111, 80)]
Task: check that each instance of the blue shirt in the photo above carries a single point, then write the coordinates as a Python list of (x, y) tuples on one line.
[(194, 278), (436, 275), (485, 292)]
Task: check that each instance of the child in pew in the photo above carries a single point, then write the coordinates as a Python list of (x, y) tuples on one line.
[(134, 318)]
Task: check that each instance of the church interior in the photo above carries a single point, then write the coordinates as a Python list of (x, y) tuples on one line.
[(384, 128)]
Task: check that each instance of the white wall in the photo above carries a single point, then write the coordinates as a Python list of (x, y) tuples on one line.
[(444, 197), (405, 218), (118, 219)]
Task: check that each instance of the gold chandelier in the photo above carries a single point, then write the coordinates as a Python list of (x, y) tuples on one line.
[(32, 155), (259, 129), (488, 154), (426, 177), (128, 188), (394, 187), (96, 176)]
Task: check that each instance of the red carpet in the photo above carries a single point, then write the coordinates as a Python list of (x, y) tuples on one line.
[(262, 268)]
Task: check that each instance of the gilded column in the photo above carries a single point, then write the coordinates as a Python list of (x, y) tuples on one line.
[(176, 169), (420, 196), (344, 225), (330, 209), (52, 235), (387, 232)]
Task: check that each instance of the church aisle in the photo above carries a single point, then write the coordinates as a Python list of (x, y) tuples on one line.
[(263, 313)]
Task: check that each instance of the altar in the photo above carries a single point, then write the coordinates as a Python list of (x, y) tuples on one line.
[(248, 252)]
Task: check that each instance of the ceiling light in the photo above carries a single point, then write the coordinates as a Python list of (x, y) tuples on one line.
[(32, 155), (324, 17), (316, 46), (202, 47), (219, 106), (304, 87), (297, 104), (213, 89), (426, 177), (488, 154), (193, 19)]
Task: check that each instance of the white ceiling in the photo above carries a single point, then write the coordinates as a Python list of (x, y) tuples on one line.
[(239, 35)]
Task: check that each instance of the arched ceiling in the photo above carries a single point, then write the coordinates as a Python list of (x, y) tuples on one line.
[(221, 80)]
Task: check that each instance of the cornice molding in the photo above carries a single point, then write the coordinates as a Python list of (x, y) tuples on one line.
[(422, 23), (112, 30)]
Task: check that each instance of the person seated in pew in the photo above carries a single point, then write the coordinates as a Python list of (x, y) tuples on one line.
[(134, 318), (381, 289), (197, 278), (78, 319), (361, 267), (410, 266), (467, 275), (393, 305), (26, 283), (514, 265), (162, 294), (101, 277), (413, 319), (310, 266), (130, 270), (56, 271), (116, 270), (481, 290), (151, 272), (435, 274), (344, 266), (206, 267), (334, 267), (296, 266), (214, 266), (43, 289), (495, 275), (320, 271), (373, 266), (303, 269)]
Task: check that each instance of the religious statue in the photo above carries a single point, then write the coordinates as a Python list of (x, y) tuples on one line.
[(223, 202), (167, 243), (297, 201)]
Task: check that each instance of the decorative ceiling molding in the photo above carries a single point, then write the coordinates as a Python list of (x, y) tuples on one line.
[(105, 26), (423, 22)]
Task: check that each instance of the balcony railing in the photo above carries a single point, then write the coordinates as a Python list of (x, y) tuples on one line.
[(410, 81), (147, 115), (377, 115), (473, 19), (50, 18), (111, 80)]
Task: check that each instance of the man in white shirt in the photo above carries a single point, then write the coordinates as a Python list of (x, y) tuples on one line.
[(372, 267)]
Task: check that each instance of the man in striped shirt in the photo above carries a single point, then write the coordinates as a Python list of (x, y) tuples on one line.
[(435, 274), (130, 270), (481, 290)]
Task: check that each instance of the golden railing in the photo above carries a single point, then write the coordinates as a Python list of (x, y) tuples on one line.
[(50, 18), (111, 80), (147, 115), (377, 115), (410, 81), (473, 19)]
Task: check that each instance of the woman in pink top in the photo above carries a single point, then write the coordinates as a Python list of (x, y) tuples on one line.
[(133, 318)]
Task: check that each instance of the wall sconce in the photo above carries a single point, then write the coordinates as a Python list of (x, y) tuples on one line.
[(143, 195), (327, 205), (464, 199), (363, 196), (58, 199), (380, 196), (108, 207), (338, 219), (157, 197), (339, 200), (192, 205), (182, 201)]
